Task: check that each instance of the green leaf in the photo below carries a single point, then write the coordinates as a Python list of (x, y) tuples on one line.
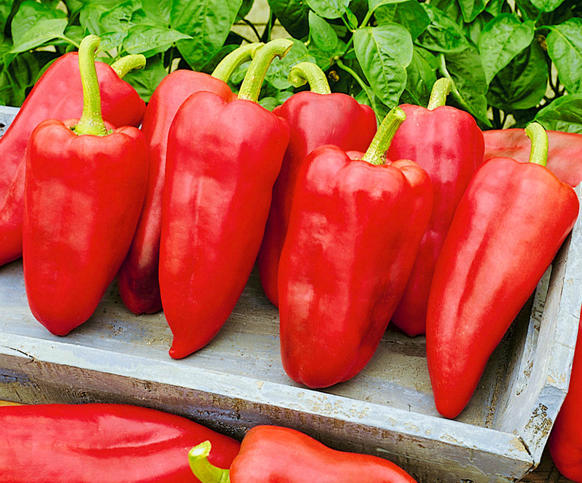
[(501, 40), (471, 8), (156, 12), (245, 8), (17, 78), (421, 77), (410, 14), (374, 4), (352, 19), (34, 24), (328, 8), (565, 49), (522, 84), (442, 35), (91, 13), (119, 19), (470, 87), (384, 52), (149, 40), (325, 59), (322, 34), (5, 9), (563, 114), (146, 80), (207, 22), (494, 7), (546, 5), (293, 16), (279, 69), (473, 30)]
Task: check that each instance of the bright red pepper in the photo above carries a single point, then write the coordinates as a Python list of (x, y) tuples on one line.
[(315, 118), (507, 229), (223, 159), (566, 439), (277, 454), (448, 144), (83, 196), (138, 278), (57, 95), (564, 153), (105, 443), (354, 231)]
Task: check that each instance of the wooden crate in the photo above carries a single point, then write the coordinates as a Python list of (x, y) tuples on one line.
[(237, 381)]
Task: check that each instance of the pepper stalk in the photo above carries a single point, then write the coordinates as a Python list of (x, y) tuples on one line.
[(203, 469), (376, 153)]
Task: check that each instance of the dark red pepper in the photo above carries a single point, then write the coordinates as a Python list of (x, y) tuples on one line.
[(315, 118), (84, 192), (564, 152), (138, 278), (354, 230), (58, 95), (223, 159), (105, 443), (507, 229), (448, 144), (277, 454)]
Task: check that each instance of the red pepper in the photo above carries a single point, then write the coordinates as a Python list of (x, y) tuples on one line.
[(138, 278), (506, 231), (448, 144), (102, 443), (223, 159), (566, 439), (564, 153), (355, 227), (57, 95), (315, 118), (84, 192), (277, 454)]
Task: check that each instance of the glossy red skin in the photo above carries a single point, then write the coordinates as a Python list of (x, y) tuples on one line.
[(314, 120), (566, 439), (57, 95), (282, 455), (448, 144), (83, 198), (564, 153), (506, 231), (353, 235), (106, 443), (138, 278), (223, 159)]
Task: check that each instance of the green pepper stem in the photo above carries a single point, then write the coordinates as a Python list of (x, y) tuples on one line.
[(376, 153), (128, 63), (227, 65), (203, 469), (539, 143), (439, 93), (251, 86), (91, 121), (308, 72)]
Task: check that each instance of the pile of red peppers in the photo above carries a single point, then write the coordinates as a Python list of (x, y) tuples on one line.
[(425, 221)]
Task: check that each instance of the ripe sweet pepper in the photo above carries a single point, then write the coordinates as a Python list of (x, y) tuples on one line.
[(277, 454), (58, 95), (448, 144), (105, 443), (508, 227), (566, 439), (355, 226), (138, 278), (315, 118), (84, 191), (223, 159), (564, 151)]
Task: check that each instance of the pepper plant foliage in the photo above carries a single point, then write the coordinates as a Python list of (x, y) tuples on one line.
[(511, 61)]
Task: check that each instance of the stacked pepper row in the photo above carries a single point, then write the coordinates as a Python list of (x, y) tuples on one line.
[(351, 227)]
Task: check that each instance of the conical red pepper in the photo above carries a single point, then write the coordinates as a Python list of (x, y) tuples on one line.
[(105, 443), (58, 95), (277, 454), (84, 192), (315, 118), (355, 227), (564, 151), (138, 278), (448, 144), (507, 229), (223, 159)]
